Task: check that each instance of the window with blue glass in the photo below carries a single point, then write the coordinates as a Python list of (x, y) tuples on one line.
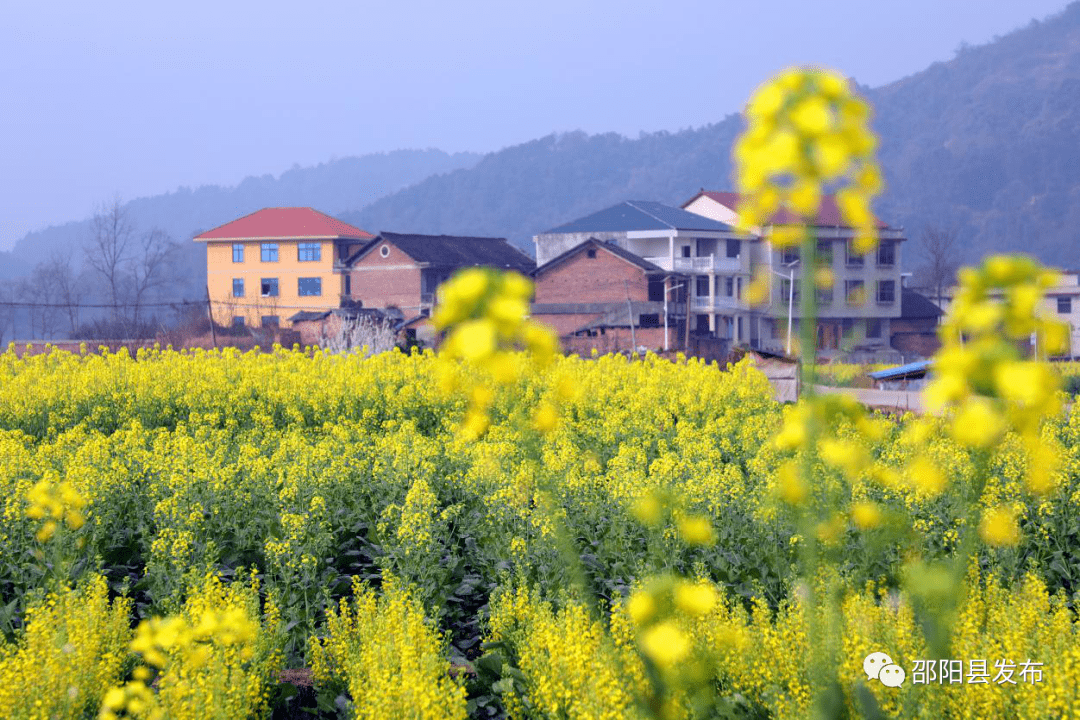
[(238, 252), (269, 287), (238, 287), (310, 286), (309, 252), (269, 252)]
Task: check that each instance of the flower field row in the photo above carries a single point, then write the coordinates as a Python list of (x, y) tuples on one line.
[(325, 478)]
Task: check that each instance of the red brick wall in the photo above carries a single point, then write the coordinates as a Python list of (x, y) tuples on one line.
[(380, 282), (565, 324), (617, 340), (583, 279)]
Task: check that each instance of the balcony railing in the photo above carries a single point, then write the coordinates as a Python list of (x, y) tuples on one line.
[(720, 303), (704, 264)]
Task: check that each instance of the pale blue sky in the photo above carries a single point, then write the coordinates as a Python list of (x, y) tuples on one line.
[(142, 98)]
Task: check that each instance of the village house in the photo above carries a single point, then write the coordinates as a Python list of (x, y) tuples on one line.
[(855, 314), (710, 256), (266, 266), (598, 295), (403, 271), (1061, 300)]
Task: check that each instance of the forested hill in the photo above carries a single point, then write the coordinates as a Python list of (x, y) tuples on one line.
[(335, 187), (988, 142)]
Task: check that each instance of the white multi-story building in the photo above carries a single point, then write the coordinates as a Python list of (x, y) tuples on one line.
[(1062, 300), (856, 312), (710, 256)]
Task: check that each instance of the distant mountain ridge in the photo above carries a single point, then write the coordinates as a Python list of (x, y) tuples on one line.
[(988, 142), (335, 187)]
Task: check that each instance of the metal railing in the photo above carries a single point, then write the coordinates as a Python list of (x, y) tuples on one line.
[(704, 264)]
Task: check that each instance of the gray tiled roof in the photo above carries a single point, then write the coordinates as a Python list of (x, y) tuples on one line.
[(640, 215), (607, 246), (454, 251)]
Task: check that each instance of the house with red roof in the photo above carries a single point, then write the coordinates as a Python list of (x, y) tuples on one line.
[(267, 266)]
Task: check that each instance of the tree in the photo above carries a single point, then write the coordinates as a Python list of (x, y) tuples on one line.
[(7, 311), (133, 266), (108, 250), (939, 271), (66, 289)]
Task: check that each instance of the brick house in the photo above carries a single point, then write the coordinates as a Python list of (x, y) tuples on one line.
[(403, 271), (712, 255), (865, 299), (599, 295), (915, 331), (268, 265)]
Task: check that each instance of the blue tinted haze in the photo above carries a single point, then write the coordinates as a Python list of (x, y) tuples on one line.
[(136, 99)]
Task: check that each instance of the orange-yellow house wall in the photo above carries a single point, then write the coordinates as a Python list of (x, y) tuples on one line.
[(221, 271)]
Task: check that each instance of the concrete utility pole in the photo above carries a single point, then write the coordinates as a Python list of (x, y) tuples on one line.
[(630, 317), (667, 343), (791, 300)]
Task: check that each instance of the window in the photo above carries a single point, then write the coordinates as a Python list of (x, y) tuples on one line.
[(824, 252), (1064, 304), (656, 290), (738, 288), (853, 258), (702, 325), (702, 285), (825, 296), (269, 252), (238, 252), (886, 292), (385, 251), (886, 253), (649, 320), (308, 287), (854, 291), (270, 321), (847, 328), (873, 327), (733, 248), (785, 291), (348, 284), (790, 256), (590, 253), (686, 251), (269, 287), (238, 287), (309, 252), (238, 321), (729, 286)]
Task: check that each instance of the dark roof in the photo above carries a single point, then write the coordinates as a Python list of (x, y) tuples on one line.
[(606, 246), (915, 305), (640, 215), (915, 369), (307, 315), (828, 211), (453, 251)]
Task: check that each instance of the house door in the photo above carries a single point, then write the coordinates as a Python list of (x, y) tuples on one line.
[(828, 336)]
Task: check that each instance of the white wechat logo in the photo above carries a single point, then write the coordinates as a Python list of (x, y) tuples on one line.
[(879, 666)]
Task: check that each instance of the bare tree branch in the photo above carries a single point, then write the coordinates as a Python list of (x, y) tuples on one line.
[(940, 245)]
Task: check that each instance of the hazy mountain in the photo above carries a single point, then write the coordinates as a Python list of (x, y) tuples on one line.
[(334, 187), (987, 142)]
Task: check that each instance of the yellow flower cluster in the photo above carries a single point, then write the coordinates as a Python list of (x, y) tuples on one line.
[(389, 656), (485, 313), (981, 373), (213, 660), (72, 648), (55, 503), (572, 666), (806, 129)]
